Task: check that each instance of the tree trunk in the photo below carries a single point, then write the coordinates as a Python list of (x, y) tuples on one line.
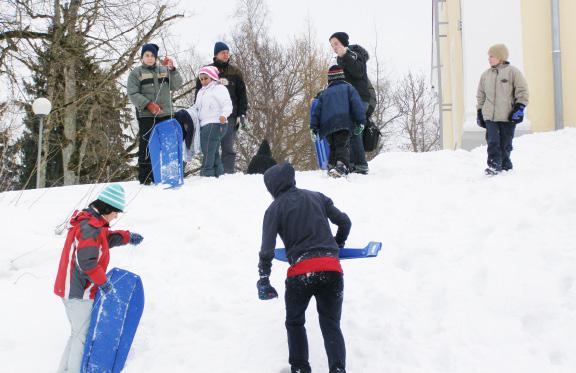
[(70, 81)]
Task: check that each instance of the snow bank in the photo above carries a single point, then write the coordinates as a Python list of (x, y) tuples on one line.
[(476, 274)]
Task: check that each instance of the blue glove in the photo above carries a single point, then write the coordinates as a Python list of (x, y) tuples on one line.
[(517, 115), (358, 129), (135, 238), (106, 288), (480, 119), (265, 290)]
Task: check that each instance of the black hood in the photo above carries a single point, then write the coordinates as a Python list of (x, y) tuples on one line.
[(264, 149), (361, 52), (279, 179)]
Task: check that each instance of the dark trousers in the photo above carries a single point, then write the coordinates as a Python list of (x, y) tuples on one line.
[(227, 145), (358, 161), (145, 126), (210, 137), (328, 289), (499, 137), (339, 147)]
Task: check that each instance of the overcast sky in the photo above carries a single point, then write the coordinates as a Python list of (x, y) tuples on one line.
[(403, 27)]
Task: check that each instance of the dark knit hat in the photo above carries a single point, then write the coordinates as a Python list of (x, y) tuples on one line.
[(219, 47), (342, 37), (150, 48), (335, 73)]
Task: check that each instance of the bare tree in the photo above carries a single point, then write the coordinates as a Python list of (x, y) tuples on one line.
[(108, 33), (418, 120), (280, 82)]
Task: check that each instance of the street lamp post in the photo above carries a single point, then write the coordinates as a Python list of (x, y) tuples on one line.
[(41, 107)]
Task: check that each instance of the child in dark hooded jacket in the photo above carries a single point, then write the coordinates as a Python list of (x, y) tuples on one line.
[(301, 217)]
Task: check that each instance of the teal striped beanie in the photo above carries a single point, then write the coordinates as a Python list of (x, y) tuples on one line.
[(113, 195)]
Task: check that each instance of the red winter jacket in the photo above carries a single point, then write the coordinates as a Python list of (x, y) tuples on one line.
[(86, 255)]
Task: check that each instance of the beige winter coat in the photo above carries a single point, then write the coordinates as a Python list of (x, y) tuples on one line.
[(499, 89)]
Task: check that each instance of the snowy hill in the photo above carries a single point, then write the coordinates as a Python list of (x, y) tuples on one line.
[(476, 274)]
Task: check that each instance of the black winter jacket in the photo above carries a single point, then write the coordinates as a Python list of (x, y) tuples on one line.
[(262, 161), (354, 65), (232, 78), (300, 217)]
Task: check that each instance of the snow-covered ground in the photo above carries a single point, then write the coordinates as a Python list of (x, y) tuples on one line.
[(476, 274)]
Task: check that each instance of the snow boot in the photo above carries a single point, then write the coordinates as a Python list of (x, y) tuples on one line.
[(491, 171), (339, 170)]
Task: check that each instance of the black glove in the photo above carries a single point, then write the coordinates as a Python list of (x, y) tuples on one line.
[(106, 288), (480, 119), (265, 290), (241, 122), (340, 244), (517, 114)]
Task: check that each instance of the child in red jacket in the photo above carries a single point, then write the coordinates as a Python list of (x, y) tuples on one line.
[(83, 264)]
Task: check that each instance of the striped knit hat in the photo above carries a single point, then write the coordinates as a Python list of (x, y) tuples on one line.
[(335, 73), (211, 71), (113, 195)]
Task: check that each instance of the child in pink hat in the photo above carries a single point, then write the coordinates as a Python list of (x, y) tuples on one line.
[(213, 105)]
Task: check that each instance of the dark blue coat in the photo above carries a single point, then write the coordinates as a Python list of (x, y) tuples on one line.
[(338, 108), (300, 217)]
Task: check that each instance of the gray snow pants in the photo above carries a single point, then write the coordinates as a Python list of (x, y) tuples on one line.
[(78, 312), (227, 145)]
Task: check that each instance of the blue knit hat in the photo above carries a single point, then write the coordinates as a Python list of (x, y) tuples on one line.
[(219, 47), (150, 48), (113, 195)]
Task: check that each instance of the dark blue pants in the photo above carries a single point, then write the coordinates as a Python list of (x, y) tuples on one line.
[(227, 145), (499, 137), (328, 289), (210, 137)]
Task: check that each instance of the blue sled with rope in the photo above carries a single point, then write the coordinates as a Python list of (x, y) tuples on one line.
[(370, 251), (113, 324), (322, 152), (320, 143), (166, 153)]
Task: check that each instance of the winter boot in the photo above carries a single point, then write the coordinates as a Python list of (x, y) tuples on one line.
[(338, 171), (491, 171)]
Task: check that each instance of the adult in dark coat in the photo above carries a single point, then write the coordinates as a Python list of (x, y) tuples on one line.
[(353, 59), (301, 217), (262, 161), (231, 77)]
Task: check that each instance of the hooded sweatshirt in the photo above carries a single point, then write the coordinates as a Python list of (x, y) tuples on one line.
[(300, 217), (262, 161)]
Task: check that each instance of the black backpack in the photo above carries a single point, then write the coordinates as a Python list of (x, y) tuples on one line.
[(371, 136)]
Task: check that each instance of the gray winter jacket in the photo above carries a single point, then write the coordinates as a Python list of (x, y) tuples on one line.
[(499, 89), (152, 83)]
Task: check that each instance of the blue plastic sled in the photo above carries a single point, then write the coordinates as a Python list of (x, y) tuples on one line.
[(166, 153), (322, 152), (370, 251), (113, 325), (320, 144)]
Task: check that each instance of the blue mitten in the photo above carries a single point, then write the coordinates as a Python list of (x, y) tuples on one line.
[(517, 115), (135, 238), (265, 290)]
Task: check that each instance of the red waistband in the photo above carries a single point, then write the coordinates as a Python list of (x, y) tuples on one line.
[(320, 264)]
